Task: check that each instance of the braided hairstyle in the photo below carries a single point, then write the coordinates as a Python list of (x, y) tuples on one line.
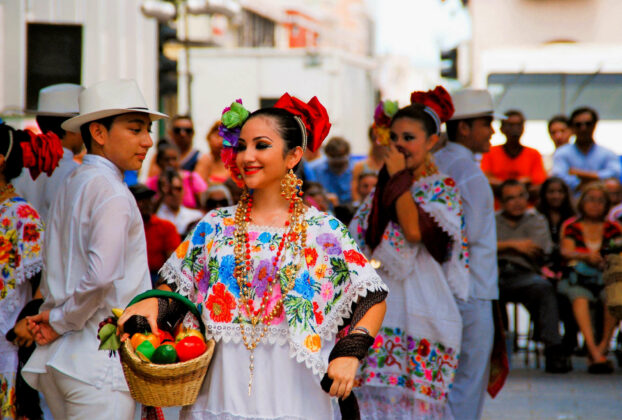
[(10, 139)]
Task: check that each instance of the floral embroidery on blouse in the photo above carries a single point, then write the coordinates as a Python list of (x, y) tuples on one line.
[(399, 360), (21, 241), (438, 196), (332, 276)]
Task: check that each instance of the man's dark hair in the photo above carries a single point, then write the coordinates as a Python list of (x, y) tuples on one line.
[(559, 119), (337, 146), (583, 110), (514, 113), (181, 117), (509, 183), (51, 123), (452, 127), (86, 133)]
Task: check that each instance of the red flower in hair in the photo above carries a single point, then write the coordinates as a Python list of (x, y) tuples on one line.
[(438, 99), (313, 115), (41, 153)]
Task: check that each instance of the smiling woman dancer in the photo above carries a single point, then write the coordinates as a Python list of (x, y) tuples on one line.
[(412, 227), (276, 279)]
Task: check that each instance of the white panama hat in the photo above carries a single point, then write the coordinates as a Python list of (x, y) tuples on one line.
[(108, 98), (473, 103), (59, 100)]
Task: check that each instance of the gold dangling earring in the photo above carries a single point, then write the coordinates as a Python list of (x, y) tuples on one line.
[(290, 185)]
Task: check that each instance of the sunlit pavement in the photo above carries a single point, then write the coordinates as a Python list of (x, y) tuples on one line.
[(532, 394)]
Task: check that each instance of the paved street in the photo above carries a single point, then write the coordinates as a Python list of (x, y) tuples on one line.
[(532, 394)]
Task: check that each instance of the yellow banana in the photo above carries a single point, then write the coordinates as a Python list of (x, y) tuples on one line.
[(117, 312)]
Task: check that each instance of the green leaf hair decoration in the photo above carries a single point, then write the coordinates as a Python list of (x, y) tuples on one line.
[(390, 108), (235, 116)]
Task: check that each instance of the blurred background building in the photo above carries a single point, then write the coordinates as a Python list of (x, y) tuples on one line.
[(195, 56)]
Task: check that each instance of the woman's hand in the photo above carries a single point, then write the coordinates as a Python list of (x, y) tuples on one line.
[(342, 371), (595, 259), (394, 160), (24, 337), (147, 308)]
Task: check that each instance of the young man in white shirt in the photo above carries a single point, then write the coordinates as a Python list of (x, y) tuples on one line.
[(95, 258), (469, 132), (57, 103)]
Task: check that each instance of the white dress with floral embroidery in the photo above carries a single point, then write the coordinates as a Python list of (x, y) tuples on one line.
[(293, 357), (21, 240), (410, 368)]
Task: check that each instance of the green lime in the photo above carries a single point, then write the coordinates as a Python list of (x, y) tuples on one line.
[(145, 350), (164, 354)]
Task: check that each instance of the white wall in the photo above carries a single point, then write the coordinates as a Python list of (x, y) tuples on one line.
[(513, 23), (118, 42), (341, 82)]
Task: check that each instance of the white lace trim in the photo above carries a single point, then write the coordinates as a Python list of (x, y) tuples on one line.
[(171, 276), (31, 268)]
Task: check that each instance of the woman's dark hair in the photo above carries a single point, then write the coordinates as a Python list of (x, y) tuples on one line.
[(287, 126), (565, 210), (86, 133), (15, 162), (49, 123), (416, 112)]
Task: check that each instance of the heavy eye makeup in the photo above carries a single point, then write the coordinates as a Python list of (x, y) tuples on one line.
[(259, 144), (405, 136)]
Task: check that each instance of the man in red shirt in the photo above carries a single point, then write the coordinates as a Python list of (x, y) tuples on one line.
[(162, 237), (512, 160)]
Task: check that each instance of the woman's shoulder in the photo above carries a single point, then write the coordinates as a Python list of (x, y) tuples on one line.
[(436, 187), (19, 208)]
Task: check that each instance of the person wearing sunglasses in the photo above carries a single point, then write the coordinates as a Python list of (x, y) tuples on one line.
[(584, 161), (182, 133)]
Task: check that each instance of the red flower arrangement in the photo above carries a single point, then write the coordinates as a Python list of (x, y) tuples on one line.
[(438, 99), (41, 153), (313, 116)]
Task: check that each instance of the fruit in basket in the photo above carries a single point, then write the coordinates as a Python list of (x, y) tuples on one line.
[(138, 338), (117, 312), (190, 347), (165, 336), (182, 332), (145, 350), (164, 354)]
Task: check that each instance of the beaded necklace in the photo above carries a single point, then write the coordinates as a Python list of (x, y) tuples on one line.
[(297, 232)]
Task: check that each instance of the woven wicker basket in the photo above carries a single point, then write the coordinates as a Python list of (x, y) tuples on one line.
[(164, 385)]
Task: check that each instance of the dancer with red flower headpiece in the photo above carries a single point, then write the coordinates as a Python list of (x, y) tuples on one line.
[(276, 280), (21, 261), (412, 228)]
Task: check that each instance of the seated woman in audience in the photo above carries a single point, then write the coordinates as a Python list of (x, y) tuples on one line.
[(583, 239), (168, 157), (555, 205)]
